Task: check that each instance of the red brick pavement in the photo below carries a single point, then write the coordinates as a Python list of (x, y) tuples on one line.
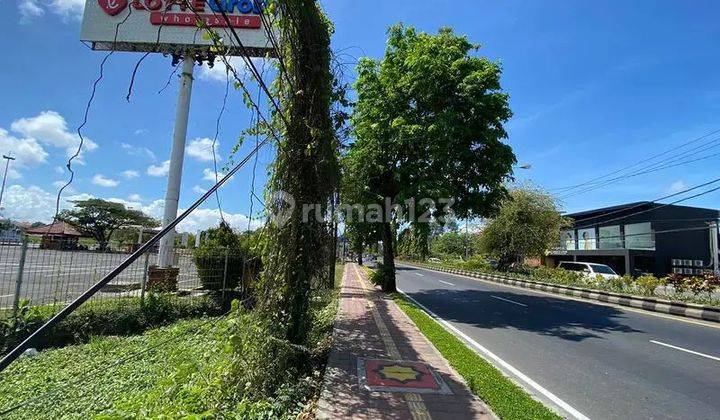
[(370, 325)]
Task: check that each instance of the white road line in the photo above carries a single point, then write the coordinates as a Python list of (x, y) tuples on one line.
[(446, 282), (420, 275), (5, 296), (508, 300), (660, 343), (498, 361)]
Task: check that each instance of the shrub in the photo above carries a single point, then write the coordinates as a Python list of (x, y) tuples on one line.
[(621, 284), (647, 284), (477, 263), (122, 316), (221, 246), (557, 275)]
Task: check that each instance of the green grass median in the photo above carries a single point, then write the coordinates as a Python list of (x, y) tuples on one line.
[(506, 399)]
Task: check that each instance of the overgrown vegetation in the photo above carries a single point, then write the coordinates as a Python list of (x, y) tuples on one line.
[(120, 316), (506, 399), (226, 367), (225, 258)]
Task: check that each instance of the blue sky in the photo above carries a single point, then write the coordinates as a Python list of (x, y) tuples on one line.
[(595, 86)]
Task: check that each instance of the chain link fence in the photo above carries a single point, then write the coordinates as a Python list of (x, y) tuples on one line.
[(51, 274)]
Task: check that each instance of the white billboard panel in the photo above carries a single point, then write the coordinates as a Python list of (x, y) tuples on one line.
[(170, 26)]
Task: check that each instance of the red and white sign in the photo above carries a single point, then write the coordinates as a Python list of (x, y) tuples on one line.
[(170, 25)]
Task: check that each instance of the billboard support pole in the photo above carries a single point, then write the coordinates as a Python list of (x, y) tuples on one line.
[(172, 195)]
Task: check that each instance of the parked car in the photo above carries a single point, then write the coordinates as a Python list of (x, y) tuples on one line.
[(590, 269)]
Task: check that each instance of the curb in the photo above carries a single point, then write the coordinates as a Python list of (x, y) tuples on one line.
[(687, 310)]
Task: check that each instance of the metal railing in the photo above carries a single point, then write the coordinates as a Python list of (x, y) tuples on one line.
[(35, 276)]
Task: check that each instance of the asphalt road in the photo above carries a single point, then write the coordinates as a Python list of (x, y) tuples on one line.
[(604, 362)]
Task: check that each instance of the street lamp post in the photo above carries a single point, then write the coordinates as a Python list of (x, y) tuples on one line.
[(7, 165)]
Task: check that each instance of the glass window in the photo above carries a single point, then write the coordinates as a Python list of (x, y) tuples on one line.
[(602, 269), (587, 240), (569, 240), (610, 237), (639, 236)]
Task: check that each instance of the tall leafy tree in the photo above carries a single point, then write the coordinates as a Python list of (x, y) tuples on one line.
[(528, 224), (100, 219), (429, 124)]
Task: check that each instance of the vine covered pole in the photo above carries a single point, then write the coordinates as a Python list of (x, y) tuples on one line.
[(306, 169)]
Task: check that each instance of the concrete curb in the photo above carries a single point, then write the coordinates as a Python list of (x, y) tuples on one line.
[(688, 310)]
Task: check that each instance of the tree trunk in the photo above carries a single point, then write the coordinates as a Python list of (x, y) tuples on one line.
[(388, 266)]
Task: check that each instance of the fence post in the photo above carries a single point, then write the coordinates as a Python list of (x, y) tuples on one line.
[(143, 283), (225, 270), (21, 270)]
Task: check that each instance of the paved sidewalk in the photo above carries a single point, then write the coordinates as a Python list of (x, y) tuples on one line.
[(382, 367)]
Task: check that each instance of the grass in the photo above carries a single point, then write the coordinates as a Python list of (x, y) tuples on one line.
[(121, 316), (168, 380), (506, 399)]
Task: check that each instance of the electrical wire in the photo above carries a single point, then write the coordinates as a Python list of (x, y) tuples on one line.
[(650, 202), (651, 158), (214, 143), (652, 209)]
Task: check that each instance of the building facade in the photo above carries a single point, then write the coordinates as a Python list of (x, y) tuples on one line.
[(641, 237)]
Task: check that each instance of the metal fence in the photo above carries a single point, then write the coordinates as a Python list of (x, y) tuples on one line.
[(32, 274)]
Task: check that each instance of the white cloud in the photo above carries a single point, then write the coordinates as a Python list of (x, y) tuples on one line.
[(676, 187), (129, 174), (59, 184), (159, 170), (27, 152), (102, 181), (34, 203), (67, 9), (141, 131), (59, 170), (29, 9), (199, 190), (138, 151), (219, 71), (209, 175), (202, 149), (50, 128), (135, 197)]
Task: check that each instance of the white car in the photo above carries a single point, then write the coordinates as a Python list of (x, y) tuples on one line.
[(591, 270)]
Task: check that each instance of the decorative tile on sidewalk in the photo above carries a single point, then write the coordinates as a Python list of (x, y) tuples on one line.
[(400, 376)]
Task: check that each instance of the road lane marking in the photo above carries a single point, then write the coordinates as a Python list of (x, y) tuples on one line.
[(490, 355), (531, 292), (660, 343), (418, 274), (5, 296), (508, 300), (446, 282)]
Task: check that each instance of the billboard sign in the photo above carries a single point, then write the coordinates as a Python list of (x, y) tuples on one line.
[(171, 26)]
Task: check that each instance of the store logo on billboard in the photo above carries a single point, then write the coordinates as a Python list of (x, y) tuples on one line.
[(113, 7), (190, 11)]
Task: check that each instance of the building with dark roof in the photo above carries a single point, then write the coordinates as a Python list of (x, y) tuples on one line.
[(642, 237)]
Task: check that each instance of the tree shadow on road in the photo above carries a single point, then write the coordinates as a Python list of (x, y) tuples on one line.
[(545, 315)]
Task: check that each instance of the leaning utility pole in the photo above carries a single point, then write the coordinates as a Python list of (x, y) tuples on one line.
[(172, 194), (7, 165)]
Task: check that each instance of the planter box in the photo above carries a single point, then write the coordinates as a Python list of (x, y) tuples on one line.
[(162, 280)]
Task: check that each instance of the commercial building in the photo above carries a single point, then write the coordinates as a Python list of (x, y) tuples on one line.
[(642, 237)]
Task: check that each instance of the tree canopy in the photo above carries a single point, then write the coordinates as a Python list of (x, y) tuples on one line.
[(100, 219), (429, 125), (527, 225)]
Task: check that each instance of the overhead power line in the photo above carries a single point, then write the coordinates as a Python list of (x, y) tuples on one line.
[(649, 159), (652, 209), (651, 202)]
